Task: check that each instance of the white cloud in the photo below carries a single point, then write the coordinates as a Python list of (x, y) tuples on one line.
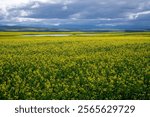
[(133, 16), (7, 5), (36, 5), (12, 3), (24, 13), (56, 24), (78, 15), (19, 19), (75, 16), (65, 7), (17, 3), (112, 24)]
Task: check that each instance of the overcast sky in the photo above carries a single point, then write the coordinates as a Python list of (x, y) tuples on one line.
[(101, 13)]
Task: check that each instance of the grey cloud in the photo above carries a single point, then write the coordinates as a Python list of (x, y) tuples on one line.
[(96, 12)]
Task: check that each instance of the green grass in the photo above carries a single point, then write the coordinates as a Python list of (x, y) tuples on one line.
[(103, 66)]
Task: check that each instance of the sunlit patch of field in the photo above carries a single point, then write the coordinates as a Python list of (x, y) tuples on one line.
[(80, 66)]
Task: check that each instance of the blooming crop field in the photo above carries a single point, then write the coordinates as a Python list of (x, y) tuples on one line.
[(80, 66)]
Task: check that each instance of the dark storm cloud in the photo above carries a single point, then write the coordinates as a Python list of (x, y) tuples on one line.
[(96, 12)]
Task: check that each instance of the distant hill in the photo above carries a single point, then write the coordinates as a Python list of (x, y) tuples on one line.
[(21, 28), (64, 29)]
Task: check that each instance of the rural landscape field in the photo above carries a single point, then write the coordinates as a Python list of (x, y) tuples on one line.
[(75, 65)]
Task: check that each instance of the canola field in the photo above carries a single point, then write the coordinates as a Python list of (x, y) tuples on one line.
[(93, 66)]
